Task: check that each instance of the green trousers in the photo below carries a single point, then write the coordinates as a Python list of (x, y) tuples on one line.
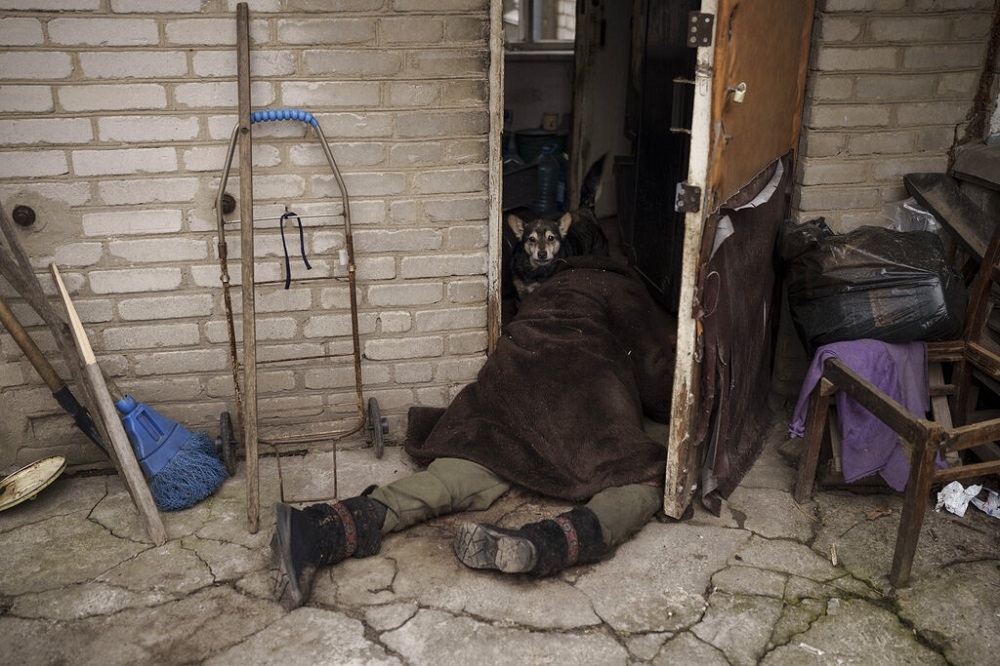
[(449, 485)]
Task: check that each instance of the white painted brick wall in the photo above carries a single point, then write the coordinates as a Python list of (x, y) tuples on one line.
[(21, 31), (34, 164), (39, 131), (26, 99), (890, 85), (27, 66), (115, 119), (139, 65)]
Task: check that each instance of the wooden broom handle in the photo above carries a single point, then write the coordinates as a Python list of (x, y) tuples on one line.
[(128, 466), (76, 326)]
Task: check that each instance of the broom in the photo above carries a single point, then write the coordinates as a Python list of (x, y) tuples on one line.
[(182, 468)]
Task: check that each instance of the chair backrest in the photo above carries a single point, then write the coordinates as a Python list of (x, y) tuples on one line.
[(981, 346)]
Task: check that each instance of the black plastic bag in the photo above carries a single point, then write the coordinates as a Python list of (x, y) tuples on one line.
[(873, 282)]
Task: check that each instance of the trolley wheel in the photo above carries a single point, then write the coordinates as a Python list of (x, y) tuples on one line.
[(225, 444), (377, 427)]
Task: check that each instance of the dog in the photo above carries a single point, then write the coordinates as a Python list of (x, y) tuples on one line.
[(542, 242)]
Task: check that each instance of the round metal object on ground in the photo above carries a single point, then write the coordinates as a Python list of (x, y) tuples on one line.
[(25, 483), (376, 427), (226, 444)]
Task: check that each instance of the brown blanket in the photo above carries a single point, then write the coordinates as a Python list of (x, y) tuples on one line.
[(558, 406)]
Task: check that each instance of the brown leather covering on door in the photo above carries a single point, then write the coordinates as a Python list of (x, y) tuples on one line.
[(739, 312), (764, 45)]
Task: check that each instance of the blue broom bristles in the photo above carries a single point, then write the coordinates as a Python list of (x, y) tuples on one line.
[(182, 468), (193, 473)]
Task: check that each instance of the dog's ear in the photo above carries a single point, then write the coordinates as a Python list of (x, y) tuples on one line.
[(564, 222), (516, 225)]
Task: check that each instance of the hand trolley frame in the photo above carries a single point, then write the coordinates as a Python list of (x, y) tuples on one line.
[(277, 435)]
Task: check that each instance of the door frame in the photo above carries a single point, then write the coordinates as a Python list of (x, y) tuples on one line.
[(726, 154), (681, 476), (494, 271)]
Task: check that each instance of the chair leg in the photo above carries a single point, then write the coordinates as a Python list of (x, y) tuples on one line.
[(816, 417), (963, 390), (918, 487)]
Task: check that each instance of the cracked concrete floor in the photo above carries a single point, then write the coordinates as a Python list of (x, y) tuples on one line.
[(81, 584)]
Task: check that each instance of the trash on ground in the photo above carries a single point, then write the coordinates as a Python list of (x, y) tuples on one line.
[(880, 512), (990, 506), (955, 497)]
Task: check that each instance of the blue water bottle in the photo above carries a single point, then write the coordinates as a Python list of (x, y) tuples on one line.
[(548, 182)]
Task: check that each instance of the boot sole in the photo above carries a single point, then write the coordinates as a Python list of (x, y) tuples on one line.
[(481, 547), (287, 590)]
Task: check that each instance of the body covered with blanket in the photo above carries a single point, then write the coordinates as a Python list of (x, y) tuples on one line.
[(558, 407)]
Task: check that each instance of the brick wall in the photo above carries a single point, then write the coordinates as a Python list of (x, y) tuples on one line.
[(891, 83), (567, 20), (115, 117)]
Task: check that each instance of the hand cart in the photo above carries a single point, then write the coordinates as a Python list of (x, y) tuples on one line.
[(281, 435)]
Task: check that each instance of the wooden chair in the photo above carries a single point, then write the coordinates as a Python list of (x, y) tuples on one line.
[(976, 356)]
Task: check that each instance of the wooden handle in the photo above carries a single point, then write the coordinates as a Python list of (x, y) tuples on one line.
[(16, 268), (75, 325), (247, 266), (128, 466), (30, 349)]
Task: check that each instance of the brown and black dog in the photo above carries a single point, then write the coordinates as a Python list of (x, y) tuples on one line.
[(543, 241)]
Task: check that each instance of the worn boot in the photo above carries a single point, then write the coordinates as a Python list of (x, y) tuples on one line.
[(541, 549), (320, 535)]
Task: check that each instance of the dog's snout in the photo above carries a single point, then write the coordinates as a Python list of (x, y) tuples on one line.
[(542, 254)]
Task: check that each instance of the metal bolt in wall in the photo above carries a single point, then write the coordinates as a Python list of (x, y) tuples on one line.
[(228, 203), (23, 215)]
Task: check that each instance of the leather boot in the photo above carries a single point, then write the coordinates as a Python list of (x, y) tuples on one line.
[(320, 535), (540, 549)]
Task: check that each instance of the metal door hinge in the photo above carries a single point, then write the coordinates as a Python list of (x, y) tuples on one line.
[(701, 28), (687, 198)]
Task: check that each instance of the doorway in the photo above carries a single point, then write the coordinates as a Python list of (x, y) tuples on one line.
[(658, 123), (740, 62), (617, 81)]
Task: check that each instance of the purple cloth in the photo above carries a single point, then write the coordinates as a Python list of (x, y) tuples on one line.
[(868, 445)]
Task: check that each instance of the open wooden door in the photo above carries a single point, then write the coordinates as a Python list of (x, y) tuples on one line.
[(748, 90)]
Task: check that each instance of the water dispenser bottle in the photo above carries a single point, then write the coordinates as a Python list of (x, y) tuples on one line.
[(548, 181)]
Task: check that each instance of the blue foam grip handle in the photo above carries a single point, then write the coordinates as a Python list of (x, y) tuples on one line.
[(283, 114)]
